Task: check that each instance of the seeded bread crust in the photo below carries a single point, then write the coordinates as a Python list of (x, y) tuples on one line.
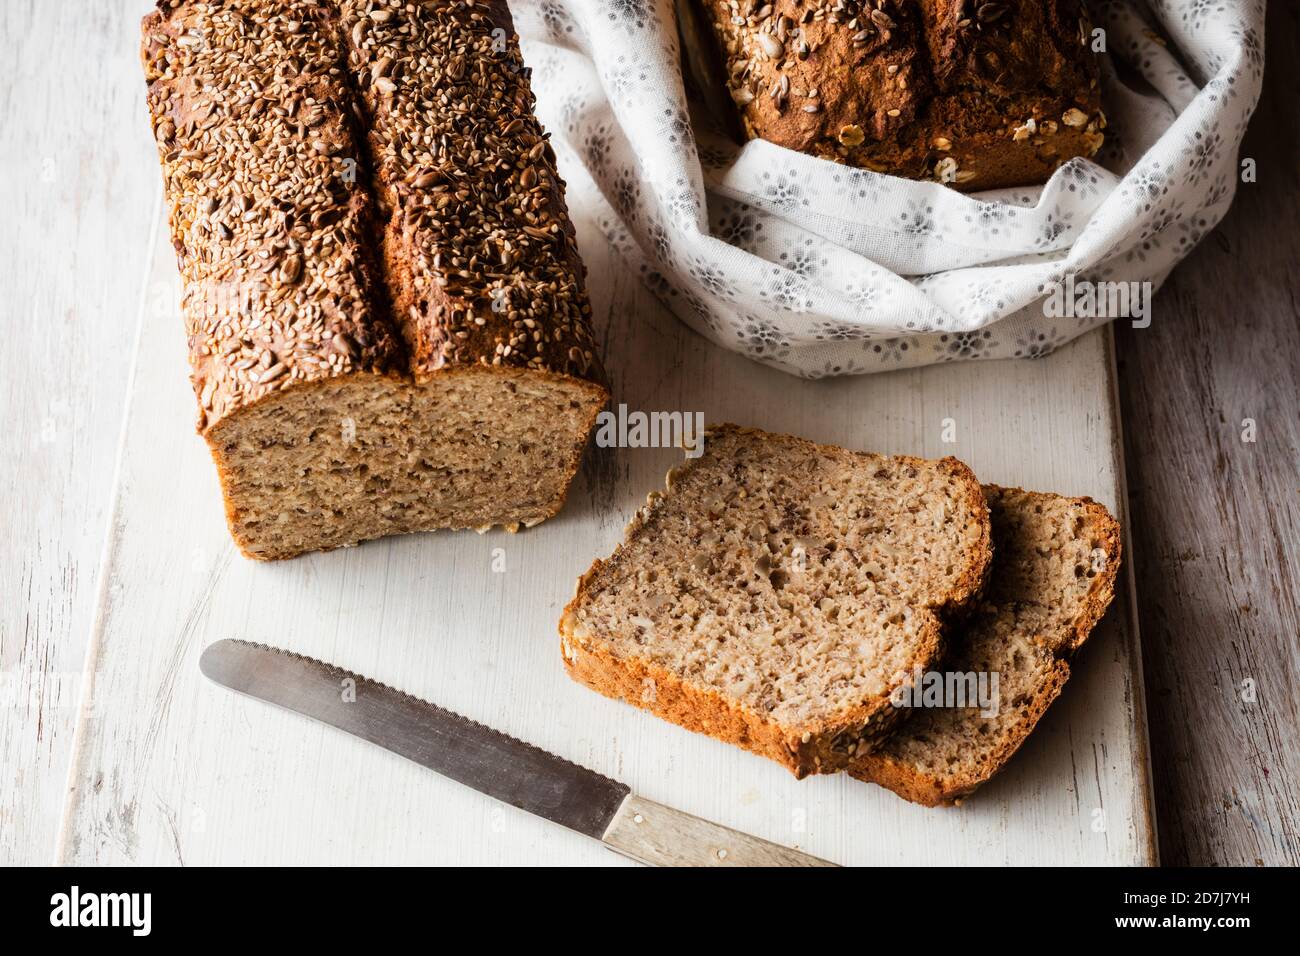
[(359, 191), (973, 93), (480, 253), (822, 747), (271, 237), (998, 618)]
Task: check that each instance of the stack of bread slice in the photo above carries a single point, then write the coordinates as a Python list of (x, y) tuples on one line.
[(786, 596)]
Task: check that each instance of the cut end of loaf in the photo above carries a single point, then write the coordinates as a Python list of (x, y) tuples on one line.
[(779, 592), (339, 462), (1054, 570), (446, 383)]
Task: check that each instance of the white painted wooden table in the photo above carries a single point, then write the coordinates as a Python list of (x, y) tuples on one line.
[(78, 187), (167, 768), (171, 769)]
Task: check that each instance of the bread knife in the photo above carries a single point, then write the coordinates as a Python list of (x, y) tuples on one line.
[(488, 761)]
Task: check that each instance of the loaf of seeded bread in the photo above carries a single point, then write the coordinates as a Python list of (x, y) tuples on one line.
[(1054, 569), (387, 320), (976, 93), (779, 592)]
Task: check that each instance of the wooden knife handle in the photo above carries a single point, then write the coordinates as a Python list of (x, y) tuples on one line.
[(651, 833)]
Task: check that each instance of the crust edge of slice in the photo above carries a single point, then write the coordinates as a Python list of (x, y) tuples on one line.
[(928, 790), (709, 712)]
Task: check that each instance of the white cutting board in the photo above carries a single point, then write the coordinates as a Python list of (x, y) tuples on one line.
[(172, 769)]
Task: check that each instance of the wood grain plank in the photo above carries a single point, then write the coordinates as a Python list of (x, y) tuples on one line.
[(80, 194), (172, 769), (1217, 517)]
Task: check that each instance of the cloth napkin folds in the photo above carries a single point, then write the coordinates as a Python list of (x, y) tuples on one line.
[(820, 269)]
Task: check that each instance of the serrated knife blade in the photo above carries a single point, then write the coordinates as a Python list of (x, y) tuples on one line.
[(487, 760)]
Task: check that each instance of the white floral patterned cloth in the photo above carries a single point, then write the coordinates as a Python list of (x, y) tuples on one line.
[(820, 269)]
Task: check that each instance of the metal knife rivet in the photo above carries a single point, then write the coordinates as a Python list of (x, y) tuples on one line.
[(638, 819), (722, 854)]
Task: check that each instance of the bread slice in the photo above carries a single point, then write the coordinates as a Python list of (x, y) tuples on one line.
[(779, 592), (1054, 569), (386, 313)]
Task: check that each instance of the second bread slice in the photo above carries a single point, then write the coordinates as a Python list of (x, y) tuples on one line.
[(1053, 576), (778, 593)]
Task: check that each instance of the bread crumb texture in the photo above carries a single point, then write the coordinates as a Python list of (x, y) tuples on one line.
[(1054, 570), (778, 591)]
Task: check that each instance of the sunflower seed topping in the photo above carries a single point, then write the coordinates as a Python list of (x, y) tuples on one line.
[(773, 48), (1074, 117)]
